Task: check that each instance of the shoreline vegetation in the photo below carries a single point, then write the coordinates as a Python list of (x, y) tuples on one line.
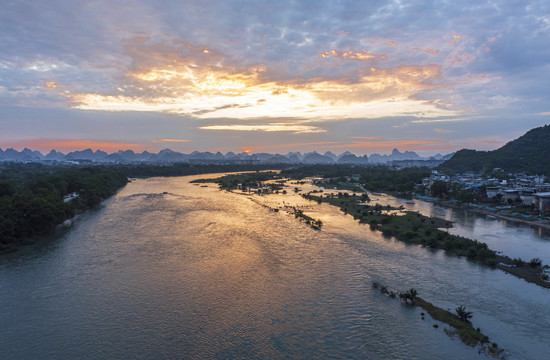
[(415, 228), (459, 323), (407, 226), (257, 183), (36, 198)]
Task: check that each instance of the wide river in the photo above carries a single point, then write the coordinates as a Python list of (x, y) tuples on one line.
[(170, 270)]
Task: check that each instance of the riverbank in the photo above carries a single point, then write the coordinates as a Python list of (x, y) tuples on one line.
[(498, 213), (413, 227), (406, 226), (35, 199)]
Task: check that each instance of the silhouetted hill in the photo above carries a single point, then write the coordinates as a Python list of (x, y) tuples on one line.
[(529, 153)]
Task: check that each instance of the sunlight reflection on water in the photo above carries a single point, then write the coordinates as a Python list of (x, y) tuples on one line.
[(200, 273)]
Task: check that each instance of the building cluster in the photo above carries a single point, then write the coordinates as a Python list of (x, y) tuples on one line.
[(518, 189)]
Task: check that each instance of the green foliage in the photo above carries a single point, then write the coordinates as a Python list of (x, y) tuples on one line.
[(412, 227), (536, 262), (463, 314), (245, 181), (529, 153), (373, 178), (31, 200), (439, 188), (518, 262), (409, 295)]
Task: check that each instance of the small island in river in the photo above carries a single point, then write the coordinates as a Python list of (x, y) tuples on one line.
[(407, 226)]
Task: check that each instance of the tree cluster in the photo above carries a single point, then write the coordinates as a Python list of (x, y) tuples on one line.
[(32, 197)]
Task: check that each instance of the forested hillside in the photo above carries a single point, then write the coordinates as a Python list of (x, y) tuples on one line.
[(530, 153)]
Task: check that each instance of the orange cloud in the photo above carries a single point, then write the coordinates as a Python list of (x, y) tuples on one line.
[(351, 55), (293, 146), (45, 145), (385, 145), (52, 84), (428, 51), (433, 52), (366, 137), (197, 81), (422, 121), (391, 43), (275, 127), (169, 140), (454, 37), (457, 58)]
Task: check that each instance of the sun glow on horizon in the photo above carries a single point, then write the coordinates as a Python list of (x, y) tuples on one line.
[(202, 84)]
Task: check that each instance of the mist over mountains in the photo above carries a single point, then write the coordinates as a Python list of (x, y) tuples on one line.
[(170, 156)]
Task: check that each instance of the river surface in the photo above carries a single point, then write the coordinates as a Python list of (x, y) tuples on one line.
[(199, 273)]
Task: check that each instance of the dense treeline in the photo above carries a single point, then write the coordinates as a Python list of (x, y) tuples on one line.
[(373, 178), (530, 153), (32, 197)]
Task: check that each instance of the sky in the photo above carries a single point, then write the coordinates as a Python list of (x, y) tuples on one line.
[(272, 76)]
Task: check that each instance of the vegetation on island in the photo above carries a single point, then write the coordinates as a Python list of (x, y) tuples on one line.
[(372, 178), (257, 182), (459, 322), (415, 228), (409, 226), (251, 181)]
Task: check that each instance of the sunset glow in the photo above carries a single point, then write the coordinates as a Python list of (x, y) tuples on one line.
[(197, 71)]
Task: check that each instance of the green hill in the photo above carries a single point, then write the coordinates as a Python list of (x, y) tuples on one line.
[(529, 153)]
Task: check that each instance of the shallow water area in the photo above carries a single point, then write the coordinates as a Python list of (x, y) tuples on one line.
[(168, 269)]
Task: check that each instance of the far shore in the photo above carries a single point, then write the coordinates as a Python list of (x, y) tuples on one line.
[(507, 217)]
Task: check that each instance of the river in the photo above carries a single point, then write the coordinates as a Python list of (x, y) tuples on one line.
[(170, 270)]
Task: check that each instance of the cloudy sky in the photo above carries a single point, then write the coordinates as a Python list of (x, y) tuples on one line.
[(273, 76)]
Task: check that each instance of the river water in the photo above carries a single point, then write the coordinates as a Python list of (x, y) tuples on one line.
[(200, 273)]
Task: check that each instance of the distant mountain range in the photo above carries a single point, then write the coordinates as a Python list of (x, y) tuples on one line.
[(169, 156), (529, 153)]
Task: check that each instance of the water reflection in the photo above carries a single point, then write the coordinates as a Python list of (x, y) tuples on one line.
[(199, 273), (511, 238)]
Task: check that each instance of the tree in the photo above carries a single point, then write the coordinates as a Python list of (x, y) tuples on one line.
[(439, 188), (6, 188), (409, 295), (463, 314), (536, 262)]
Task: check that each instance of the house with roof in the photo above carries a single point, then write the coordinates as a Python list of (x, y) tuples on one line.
[(541, 201)]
